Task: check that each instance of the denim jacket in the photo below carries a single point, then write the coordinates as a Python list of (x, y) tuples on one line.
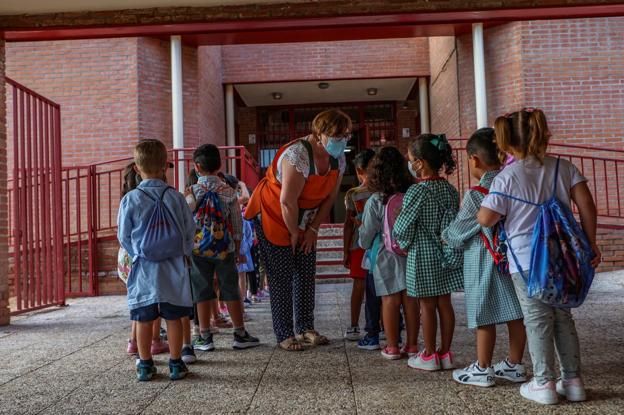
[(163, 281)]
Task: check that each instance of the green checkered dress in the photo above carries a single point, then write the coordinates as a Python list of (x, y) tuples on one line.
[(417, 229), (490, 295)]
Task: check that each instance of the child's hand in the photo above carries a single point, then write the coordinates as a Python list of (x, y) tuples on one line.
[(242, 259), (598, 258), (347, 259)]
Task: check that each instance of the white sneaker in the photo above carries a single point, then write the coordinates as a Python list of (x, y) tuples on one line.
[(474, 375), (509, 371), (447, 361), (422, 362), (572, 389), (544, 394), (382, 335), (352, 334)]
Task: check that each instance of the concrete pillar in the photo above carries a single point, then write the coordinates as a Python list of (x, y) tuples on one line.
[(423, 105), (229, 125), (479, 75), (177, 105), (4, 208)]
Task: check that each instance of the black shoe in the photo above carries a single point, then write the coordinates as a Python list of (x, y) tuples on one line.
[(245, 342), (203, 343), (177, 370), (188, 355)]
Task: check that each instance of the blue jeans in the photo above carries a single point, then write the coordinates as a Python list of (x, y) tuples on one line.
[(549, 330), (372, 307)]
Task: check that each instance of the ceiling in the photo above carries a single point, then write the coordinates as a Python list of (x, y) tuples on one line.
[(48, 6), (308, 92)]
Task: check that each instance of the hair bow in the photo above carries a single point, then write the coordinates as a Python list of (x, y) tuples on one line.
[(440, 142)]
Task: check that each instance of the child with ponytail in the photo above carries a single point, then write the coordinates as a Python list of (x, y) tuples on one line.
[(426, 207), (525, 135)]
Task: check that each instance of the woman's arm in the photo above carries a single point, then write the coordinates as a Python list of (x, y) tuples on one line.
[(292, 186), (583, 199)]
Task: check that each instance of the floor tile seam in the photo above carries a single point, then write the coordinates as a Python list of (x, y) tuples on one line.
[(56, 360), (344, 344), (266, 367), (156, 396), (79, 386)]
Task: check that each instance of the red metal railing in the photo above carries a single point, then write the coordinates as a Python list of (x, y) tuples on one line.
[(602, 167), (33, 196), (91, 196)]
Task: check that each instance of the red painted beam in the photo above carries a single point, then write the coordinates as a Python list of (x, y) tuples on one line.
[(326, 28)]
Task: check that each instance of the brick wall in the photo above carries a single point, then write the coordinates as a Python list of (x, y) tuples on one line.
[(443, 86), (326, 60), (154, 91), (211, 106), (4, 250), (94, 81)]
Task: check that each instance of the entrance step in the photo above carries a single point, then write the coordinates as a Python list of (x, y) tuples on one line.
[(329, 254)]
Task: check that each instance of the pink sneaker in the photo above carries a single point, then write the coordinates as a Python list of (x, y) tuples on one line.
[(391, 353), (572, 389), (132, 348), (420, 361), (159, 347), (410, 351), (546, 394), (447, 361), (223, 323)]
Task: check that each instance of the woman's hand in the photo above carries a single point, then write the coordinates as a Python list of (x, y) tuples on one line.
[(294, 241), (598, 258), (308, 242)]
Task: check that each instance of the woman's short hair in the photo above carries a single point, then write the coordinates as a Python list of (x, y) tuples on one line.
[(331, 123)]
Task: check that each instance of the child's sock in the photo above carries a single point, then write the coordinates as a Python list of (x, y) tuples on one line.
[(205, 333), (148, 362), (175, 361), (240, 331), (185, 345)]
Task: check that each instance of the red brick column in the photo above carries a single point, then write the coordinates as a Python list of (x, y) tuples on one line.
[(4, 250)]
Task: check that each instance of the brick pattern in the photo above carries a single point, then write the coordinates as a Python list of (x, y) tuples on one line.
[(443, 86), (211, 105), (94, 81), (4, 212), (326, 60)]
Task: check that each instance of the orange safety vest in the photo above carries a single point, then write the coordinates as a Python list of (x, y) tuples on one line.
[(265, 199)]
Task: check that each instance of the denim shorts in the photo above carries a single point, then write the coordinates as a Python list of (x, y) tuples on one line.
[(165, 310), (203, 271)]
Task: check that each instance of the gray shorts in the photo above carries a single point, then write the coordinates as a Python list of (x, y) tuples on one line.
[(203, 271)]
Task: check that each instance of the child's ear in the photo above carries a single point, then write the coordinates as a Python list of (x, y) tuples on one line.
[(477, 162)]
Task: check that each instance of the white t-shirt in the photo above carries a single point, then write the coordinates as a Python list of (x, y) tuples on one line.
[(299, 157), (529, 180)]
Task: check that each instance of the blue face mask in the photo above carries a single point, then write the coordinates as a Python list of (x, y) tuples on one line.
[(335, 147), (410, 167)]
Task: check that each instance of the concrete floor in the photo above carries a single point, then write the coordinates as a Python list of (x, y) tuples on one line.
[(72, 360)]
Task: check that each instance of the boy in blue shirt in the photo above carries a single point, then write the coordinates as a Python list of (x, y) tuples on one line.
[(157, 286)]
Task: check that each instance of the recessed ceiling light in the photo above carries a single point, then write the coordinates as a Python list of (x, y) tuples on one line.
[(277, 95), (323, 85), (371, 91)]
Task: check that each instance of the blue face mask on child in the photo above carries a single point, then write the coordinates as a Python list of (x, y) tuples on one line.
[(335, 147)]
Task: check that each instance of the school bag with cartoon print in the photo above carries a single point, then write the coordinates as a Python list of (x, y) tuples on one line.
[(212, 238), (498, 247), (162, 239), (561, 272), (391, 213)]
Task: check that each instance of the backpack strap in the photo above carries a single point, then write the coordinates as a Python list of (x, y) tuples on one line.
[(556, 177), (147, 194), (162, 196), (480, 189), (517, 199), (503, 234)]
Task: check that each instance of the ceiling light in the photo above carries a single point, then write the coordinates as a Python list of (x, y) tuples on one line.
[(277, 95), (371, 91), (323, 85)]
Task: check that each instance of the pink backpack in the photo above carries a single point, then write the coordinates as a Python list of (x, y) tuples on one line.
[(393, 208)]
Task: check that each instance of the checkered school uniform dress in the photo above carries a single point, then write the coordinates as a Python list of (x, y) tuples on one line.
[(417, 229), (490, 295)]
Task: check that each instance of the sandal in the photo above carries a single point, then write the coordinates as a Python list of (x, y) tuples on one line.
[(291, 344), (313, 338)]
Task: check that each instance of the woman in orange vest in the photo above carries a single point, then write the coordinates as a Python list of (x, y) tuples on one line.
[(288, 206)]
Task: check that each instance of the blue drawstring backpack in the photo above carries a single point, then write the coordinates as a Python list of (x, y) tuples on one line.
[(561, 272), (162, 239)]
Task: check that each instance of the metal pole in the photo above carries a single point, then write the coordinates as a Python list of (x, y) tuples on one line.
[(423, 103), (230, 128), (479, 75), (177, 105)]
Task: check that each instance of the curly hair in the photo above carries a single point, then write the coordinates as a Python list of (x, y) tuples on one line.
[(388, 173)]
